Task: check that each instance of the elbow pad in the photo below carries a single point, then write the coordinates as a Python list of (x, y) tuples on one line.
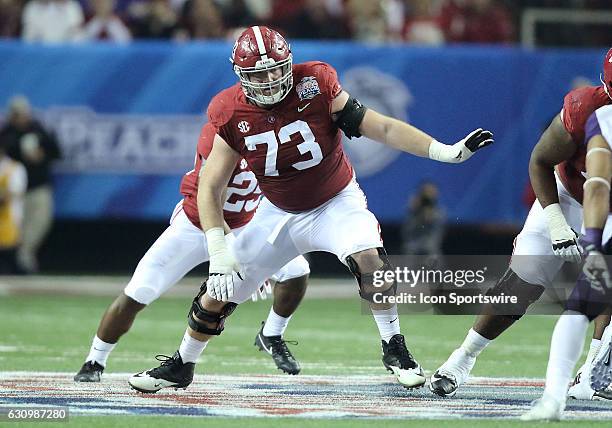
[(350, 117)]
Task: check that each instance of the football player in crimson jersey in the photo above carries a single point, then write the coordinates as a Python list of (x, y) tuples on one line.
[(556, 169), (592, 294), (181, 248), (286, 121)]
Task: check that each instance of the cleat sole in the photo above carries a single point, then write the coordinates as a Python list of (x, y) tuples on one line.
[(408, 380)]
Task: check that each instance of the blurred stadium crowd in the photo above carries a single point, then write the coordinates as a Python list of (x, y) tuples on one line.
[(431, 22)]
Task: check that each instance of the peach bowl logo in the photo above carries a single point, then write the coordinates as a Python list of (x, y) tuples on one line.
[(385, 94), (308, 88)]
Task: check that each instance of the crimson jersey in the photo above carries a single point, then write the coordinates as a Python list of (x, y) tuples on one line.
[(294, 148), (578, 105), (242, 196)]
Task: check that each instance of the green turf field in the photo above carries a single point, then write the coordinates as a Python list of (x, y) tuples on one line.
[(53, 334)]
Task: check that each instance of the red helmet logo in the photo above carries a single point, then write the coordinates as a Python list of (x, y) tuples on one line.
[(262, 60), (606, 77)]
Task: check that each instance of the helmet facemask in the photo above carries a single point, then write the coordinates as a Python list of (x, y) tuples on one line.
[(266, 92)]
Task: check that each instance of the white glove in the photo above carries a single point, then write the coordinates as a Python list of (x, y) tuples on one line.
[(462, 150), (563, 238), (222, 267), (262, 291)]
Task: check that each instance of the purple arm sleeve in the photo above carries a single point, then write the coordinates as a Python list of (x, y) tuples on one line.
[(591, 128)]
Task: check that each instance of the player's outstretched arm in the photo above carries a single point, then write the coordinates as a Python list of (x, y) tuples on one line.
[(356, 120), (555, 146), (211, 195)]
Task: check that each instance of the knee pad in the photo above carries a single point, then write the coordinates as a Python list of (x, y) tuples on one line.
[(197, 314), (511, 285), (368, 287), (141, 293)]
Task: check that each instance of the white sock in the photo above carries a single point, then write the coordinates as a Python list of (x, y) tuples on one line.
[(474, 343), (275, 324), (191, 349), (99, 351), (565, 349), (388, 323)]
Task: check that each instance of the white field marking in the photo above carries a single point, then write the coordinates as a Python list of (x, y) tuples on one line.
[(304, 396), (8, 348)]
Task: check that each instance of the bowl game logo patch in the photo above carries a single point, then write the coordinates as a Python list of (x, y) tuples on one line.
[(308, 88)]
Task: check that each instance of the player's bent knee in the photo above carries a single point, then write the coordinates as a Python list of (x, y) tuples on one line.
[(536, 269), (126, 304), (143, 295), (206, 321), (511, 285), (587, 300), (372, 286), (295, 269)]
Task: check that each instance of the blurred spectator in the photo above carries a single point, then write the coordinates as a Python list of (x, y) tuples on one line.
[(260, 9), (237, 14), (104, 24), (367, 20), (318, 19), (52, 21), (422, 25), (26, 141), (423, 228), (327, 18), (477, 21), (177, 5), (10, 17), (284, 15), (13, 181), (396, 12), (154, 19), (202, 19)]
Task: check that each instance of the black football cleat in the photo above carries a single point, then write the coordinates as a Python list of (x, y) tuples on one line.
[(90, 372), (398, 360), (276, 347), (443, 384), (171, 373), (452, 374)]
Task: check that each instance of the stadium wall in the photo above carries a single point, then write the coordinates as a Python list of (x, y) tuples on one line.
[(128, 118)]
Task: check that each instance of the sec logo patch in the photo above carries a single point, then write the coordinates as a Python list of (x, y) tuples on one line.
[(244, 126)]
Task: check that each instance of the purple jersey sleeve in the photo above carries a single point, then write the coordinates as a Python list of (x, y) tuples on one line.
[(591, 128)]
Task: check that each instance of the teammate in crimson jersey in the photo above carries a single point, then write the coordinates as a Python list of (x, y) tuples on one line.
[(285, 121), (243, 193), (549, 233), (181, 248), (592, 294)]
